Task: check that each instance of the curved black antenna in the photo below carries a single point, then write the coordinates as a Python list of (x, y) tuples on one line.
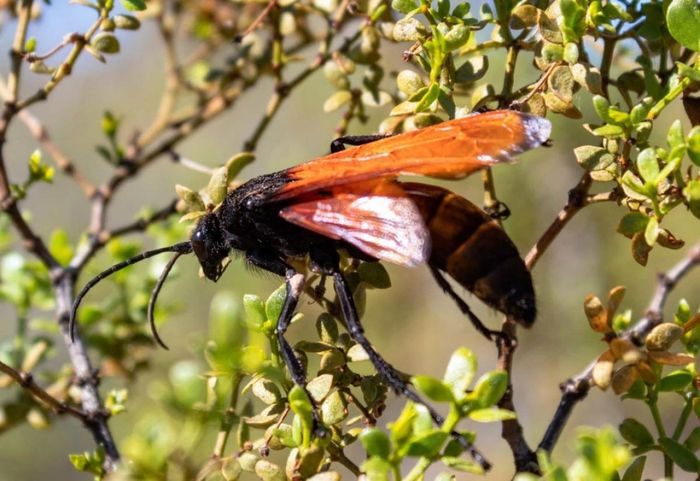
[(182, 248), (154, 296)]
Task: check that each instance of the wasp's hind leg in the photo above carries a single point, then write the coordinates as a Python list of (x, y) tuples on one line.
[(339, 144), (294, 282), (386, 370), (462, 305), (326, 261)]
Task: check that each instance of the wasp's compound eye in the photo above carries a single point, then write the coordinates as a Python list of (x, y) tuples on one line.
[(198, 245)]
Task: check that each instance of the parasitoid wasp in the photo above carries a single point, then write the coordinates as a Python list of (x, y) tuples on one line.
[(351, 199)]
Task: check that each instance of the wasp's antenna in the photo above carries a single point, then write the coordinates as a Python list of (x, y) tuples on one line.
[(154, 296), (181, 248)]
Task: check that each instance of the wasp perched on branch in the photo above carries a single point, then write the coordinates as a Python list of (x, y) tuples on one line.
[(351, 199)]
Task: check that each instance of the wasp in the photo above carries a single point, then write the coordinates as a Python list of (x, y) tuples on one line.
[(352, 200)]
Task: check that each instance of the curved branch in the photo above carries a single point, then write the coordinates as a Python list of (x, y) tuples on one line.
[(26, 381), (575, 389)]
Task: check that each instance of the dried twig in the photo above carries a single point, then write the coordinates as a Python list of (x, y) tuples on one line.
[(576, 388), (26, 382)]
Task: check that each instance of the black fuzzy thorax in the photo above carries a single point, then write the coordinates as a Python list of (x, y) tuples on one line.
[(252, 221)]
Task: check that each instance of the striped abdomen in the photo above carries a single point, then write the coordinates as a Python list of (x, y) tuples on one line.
[(475, 251)]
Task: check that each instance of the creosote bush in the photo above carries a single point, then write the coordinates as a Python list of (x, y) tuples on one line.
[(619, 64)]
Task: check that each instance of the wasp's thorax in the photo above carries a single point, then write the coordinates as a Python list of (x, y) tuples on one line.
[(210, 246)]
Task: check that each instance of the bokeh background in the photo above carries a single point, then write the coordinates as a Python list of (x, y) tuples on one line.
[(412, 324)]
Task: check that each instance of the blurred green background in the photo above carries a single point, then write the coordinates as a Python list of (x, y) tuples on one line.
[(412, 324)]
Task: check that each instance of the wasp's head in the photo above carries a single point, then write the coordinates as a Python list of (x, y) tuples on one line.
[(210, 247)]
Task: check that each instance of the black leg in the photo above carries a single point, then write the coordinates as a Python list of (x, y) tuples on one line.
[(463, 306), (295, 286), (326, 261), (347, 305), (339, 144), (386, 370)]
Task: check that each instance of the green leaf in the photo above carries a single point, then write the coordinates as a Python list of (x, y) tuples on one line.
[(460, 371), (675, 381), (651, 233), (635, 470), (601, 106), (376, 469), (254, 310), (337, 100), (192, 200), (691, 192), (433, 388), (675, 136), (404, 6), (472, 70), (490, 415), (681, 455), (608, 130), (648, 165), (105, 42), (401, 428), (692, 442), (320, 386), (573, 24), (591, 157), (683, 19), (334, 408), (115, 402), (127, 22), (376, 443), (635, 433), (134, 5), (461, 464), (694, 145), (60, 247), (632, 223), (427, 444), (430, 96), (217, 186), (274, 303), (457, 36), (374, 274), (39, 171), (489, 389), (300, 404)]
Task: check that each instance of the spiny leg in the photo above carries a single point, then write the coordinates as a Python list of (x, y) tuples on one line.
[(294, 282), (463, 306), (386, 370), (295, 286)]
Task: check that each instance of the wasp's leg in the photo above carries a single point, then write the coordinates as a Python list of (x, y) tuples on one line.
[(463, 306), (294, 282), (295, 285), (386, 370), (339, 144)]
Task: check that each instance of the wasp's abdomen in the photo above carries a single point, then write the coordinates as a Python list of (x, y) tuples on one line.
[(475, 251)]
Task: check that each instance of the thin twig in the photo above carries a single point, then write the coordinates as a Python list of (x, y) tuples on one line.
[(283, 92), (576, 388), (96, 241), (577, 200), (26, 381), (94, 416), (512, 431), (39, 132)]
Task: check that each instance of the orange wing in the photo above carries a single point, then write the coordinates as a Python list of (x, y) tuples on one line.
[(450, 150), (375, 216)]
